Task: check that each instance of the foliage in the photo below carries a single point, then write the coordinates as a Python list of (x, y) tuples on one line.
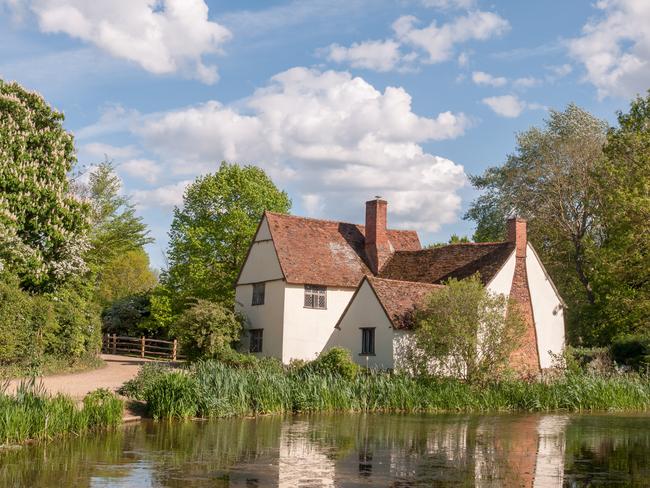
[(172, 395), (147, 375), (127, 274), (211, 233), (127, 316), (632, 351), (550, 180), (335, 361), (115, 228), (31, 414), (454, 239), (465, 331), (206, 329), (42, 224), (213, 389), (622, 264)]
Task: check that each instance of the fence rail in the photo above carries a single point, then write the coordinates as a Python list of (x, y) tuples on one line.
[(140, 346)]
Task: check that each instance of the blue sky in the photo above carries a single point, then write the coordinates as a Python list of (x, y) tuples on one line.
[(338, 100)]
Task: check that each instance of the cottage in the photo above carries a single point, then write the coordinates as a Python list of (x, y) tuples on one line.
[(310, 284)]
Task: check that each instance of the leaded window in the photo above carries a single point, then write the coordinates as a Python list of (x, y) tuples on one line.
[(256, 340), (258, 293), (315, 297), (368, 341)]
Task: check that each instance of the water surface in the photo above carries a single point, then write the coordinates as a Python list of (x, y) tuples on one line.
[(347, 451)]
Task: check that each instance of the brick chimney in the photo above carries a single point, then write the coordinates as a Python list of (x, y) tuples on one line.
[(377, 246), (516, 233)]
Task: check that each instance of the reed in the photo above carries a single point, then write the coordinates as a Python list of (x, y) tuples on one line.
[(32, 414), (213, 389)]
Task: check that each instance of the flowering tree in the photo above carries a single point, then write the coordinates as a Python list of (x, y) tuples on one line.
[(42, 224)]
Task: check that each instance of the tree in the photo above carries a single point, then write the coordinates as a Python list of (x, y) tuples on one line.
[(43, 224), (550, 180), (127, 274), (623, 260), (454, 239), (211, 233), (466, 332), (207, 329), (115, 227)]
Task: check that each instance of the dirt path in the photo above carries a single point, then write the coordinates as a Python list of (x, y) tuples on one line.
[(118, 369)]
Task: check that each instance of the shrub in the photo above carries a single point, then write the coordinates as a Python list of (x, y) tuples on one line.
[(16, 327), (632, 351), (102, 408), (148, 374), (335, 361), (126, 315), (207, 329), (172, 395)]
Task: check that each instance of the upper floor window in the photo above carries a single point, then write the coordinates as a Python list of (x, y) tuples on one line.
[(258, 293), (256, 336), (315, 296), (368, 341)]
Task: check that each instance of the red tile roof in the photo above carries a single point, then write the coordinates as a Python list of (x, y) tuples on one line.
[(400, 299), (453, 261), (325, 252)]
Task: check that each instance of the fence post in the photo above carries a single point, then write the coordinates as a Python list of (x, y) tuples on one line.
[(142, 346), (114, 343), (174, 349)]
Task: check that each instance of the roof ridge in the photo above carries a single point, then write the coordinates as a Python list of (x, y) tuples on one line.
[(314, 219), (458, 244)]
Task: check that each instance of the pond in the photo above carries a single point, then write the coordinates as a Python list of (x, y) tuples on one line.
[(347, 451)]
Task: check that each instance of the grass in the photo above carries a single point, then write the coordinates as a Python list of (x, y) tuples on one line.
[(51, 365), (32, 414), (212, 389)]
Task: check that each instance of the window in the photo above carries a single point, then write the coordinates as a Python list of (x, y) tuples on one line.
[(258, 294), (315, 296), (256, 340), (368, 341)]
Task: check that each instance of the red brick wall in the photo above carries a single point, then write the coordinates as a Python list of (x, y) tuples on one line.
[(377, 246)]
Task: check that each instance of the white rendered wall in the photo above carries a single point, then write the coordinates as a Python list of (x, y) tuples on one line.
[(365, 311), (502, 282), (547, 310), (307, 330), (262, 265)]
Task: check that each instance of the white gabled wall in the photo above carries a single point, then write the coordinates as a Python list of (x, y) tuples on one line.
[(365, 311), (547, 310), (307, 330), (262, 265), (502, 282)]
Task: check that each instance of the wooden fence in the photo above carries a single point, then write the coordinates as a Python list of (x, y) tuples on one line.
[(140, 346)]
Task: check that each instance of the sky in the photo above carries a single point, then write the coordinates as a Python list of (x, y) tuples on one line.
[(337, 100)]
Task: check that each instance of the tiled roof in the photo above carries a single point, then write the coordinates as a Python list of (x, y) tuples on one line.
[(453, 261), (400, 299), (324, 252)]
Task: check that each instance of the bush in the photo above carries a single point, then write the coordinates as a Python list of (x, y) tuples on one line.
[(148, 374), (335, 361), (632, 351), (102, 408), (126, 315), (172, 395), (207, 329)]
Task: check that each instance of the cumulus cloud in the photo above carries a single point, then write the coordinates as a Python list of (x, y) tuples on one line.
[(510, 106), (101, 150), (439, 41), (332, 139), (144, 169), (526, 82), (374, 55), (615, 48), (482, 78), (163, 36), (166, 196), (449, 4)]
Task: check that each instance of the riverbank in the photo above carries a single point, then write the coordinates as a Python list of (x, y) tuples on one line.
[(211, 390)]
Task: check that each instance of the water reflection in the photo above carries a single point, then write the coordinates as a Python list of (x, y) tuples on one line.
[(347, 451)]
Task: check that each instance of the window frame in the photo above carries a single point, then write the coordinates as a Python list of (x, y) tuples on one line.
[(316, 293), (371, 339), (259, 341), (255, 303)]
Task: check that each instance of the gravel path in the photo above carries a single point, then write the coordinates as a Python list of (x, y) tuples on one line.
[(117, 370)]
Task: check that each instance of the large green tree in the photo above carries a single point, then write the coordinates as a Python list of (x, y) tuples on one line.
[(623, 259), (127, 274), (211, 233), (43, 224), (550, 180)]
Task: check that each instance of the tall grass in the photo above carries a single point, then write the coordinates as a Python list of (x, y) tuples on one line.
[(212, 389), (32, 414)]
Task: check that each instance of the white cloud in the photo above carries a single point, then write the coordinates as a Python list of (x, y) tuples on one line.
[(163, 36), (439, 41), (145, 169), (506, 105), (559, 71), (526, 82), (374, 55), (482, 78), (101, 150), (331, 139), (164, 196), (463, 59), (448, 4), (615, 48)]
